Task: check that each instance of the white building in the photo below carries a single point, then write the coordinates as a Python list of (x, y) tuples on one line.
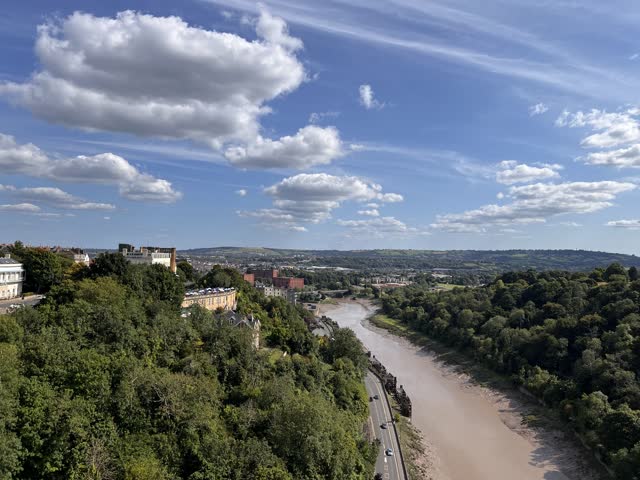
[(81, 258), (289, 294), (11, 277), (150, 255), (149, 258)]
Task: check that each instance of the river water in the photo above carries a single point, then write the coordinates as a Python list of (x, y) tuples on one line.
[(466, 430)]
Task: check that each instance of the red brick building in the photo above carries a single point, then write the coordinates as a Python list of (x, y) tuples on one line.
[(271, 276), (288, 282)]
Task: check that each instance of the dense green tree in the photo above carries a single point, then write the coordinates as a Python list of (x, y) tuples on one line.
[(106, 379), (109, 264), (615, 269), (44, 269), (573, 340), (189, 273)]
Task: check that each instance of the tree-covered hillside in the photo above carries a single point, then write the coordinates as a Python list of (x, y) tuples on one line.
[(106, 380), (572, 339), (490, 261)]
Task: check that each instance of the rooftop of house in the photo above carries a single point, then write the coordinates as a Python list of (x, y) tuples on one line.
[(8, 261), (235, 319)]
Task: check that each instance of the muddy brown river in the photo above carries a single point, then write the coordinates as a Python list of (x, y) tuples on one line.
[(467, 431)]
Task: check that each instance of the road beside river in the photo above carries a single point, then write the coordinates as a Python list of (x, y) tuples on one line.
[(474, 433)]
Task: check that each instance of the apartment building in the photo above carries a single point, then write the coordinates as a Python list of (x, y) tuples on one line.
[(12, 275)]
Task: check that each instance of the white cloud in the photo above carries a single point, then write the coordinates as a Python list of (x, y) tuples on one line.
[(311, 197), (510, 172), (323, 187), (538, 109), (535, 204), (54, 197), (372, 205), (275, 31), (158, 76), (310, 146), (107, 218), (373, 212), (614, 129), (621, 158), (628, 224), (105, 168), (20, 208), (620, 129), (317, 117), (367, 98), (242, 192), (379, 227), (298, 229), (635, 56)]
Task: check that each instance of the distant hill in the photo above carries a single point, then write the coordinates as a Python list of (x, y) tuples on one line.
[(477, 260)]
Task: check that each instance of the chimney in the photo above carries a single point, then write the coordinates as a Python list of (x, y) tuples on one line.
[(7, 255), (173, 266)]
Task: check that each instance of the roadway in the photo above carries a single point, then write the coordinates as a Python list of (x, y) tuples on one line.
[(388, 465), (27, 302)]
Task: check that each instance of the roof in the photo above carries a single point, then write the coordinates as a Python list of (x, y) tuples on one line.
[(208, 291), (8, 261)]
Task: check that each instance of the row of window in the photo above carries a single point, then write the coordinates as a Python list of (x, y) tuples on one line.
[(11, 277), (9, 292)]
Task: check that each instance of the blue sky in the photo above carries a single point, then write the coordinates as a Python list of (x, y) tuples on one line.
[(337, 124)]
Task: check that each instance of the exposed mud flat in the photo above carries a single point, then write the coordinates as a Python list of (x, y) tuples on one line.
[(471, 432)]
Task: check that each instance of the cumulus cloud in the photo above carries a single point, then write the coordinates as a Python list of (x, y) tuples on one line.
[(621, 158), (242, 192), (373, 212), (367, 98), (311, 197), (54, 197), (379, 227), (538, 109), (510, 172), (275, 31), (323, 187), (613, 129), (20, 208), (158, 76), (619, 129), (105, 168), (310, 146), (535, 204), (627, 224)]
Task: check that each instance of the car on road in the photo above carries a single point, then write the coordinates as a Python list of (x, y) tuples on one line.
[(384, 425), (378, 476), (389, 452), (376, 396)]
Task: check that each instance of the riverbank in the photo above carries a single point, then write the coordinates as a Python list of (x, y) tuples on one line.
[(477, 426)]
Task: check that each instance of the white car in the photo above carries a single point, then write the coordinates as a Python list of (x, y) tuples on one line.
[(389, 452)]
